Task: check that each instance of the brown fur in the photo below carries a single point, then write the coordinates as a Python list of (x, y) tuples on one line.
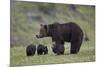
[(69, 32)]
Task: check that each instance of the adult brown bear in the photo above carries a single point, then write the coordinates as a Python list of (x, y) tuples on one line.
[(69, 32)]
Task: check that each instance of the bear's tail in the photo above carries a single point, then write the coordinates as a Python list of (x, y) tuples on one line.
[(86, 38)]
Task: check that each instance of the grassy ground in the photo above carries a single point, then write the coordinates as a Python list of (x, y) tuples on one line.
[(86, 54)]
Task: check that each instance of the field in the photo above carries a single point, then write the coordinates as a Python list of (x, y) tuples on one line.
[(86, 54), (26, 18)]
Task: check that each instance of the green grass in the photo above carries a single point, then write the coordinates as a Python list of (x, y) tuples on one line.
[(86, 54)]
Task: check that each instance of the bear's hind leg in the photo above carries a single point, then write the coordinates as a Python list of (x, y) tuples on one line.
[(75, 47)]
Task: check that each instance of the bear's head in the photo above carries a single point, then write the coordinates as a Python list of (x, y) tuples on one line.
[(43, 31), (47, 30)]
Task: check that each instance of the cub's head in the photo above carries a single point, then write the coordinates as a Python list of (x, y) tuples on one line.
[(43, 31)]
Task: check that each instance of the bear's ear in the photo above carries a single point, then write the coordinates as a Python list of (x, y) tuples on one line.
[(41, 25)]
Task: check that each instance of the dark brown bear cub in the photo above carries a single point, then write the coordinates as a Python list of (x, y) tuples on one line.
[(58, 49), (41, 49), (30, 50), (61, 33)]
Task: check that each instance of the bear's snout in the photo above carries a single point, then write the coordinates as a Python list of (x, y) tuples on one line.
[(37, 36)]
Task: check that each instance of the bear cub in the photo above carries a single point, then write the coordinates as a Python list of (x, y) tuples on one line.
[(30, 50), (41, 49)]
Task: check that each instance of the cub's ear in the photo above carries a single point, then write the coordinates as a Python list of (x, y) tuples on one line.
[(45, 47)]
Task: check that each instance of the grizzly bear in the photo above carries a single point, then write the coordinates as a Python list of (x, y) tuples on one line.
[(58, 49), (30, 50), (41, 49), (60, 33)]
